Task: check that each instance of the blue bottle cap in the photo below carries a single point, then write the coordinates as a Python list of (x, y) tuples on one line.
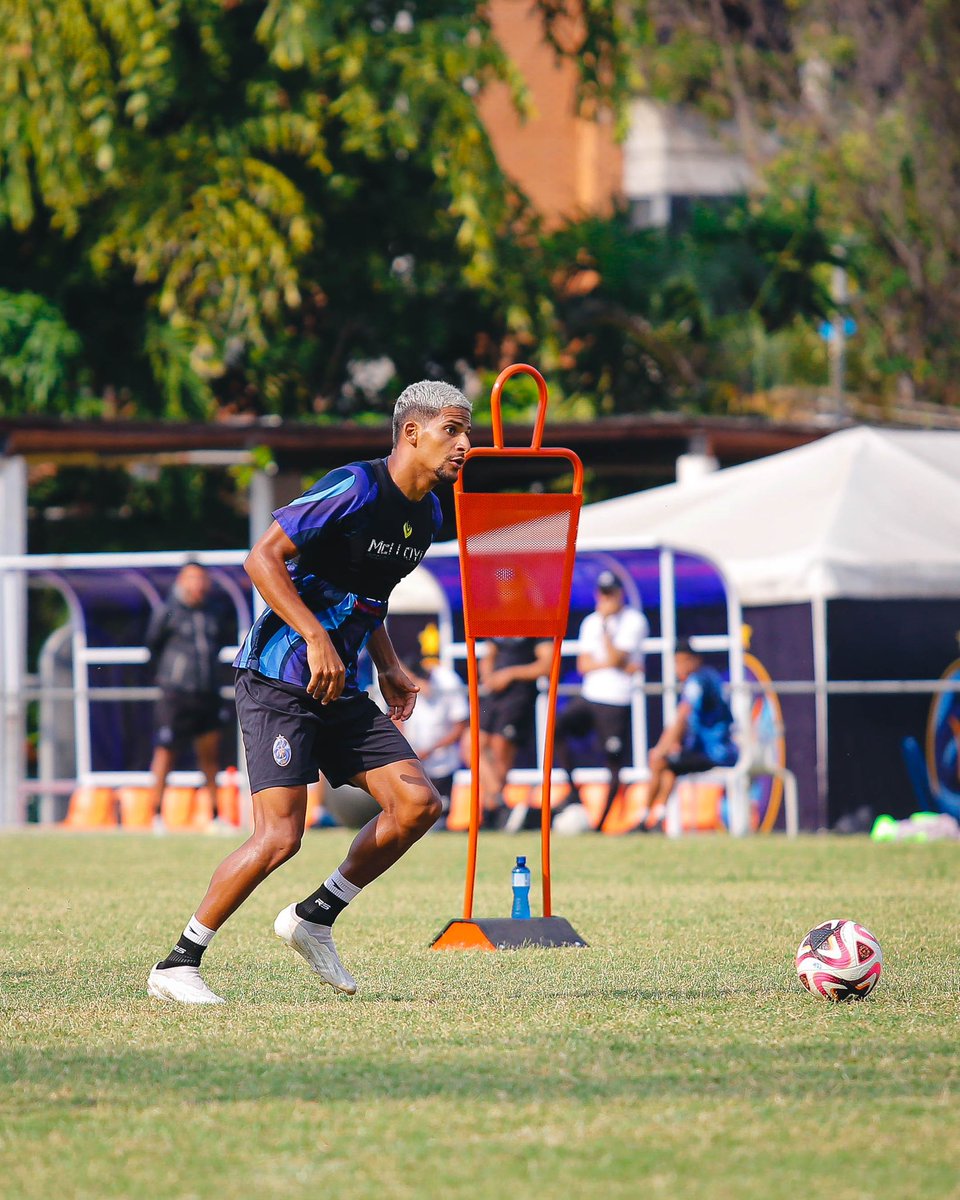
[(521, 860)]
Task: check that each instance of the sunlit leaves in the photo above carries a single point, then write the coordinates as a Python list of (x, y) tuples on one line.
[(196, 154), (223, 257), (39, 354)]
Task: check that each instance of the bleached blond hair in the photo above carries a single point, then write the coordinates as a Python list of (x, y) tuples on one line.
[(424, 400)]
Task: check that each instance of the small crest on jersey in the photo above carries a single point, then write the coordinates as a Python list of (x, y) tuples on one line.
[(407, 529), (281, 751)]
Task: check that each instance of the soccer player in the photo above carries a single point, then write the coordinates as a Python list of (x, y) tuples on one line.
[(699, 738), (326, 568)]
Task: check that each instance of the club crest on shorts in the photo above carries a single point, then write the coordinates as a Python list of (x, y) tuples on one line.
[(281, 751)]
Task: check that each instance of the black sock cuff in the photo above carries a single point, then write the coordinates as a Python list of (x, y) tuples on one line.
[(322, 908), (186, 953)]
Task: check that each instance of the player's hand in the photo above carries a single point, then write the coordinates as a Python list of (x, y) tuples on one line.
[(327, 673), (399, 691), (498, 680)]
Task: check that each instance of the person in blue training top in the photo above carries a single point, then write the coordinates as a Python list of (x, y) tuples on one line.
[(699, 738), (326, 568)]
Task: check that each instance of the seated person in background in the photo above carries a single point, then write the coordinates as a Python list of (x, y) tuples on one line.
[(508, 669), (435, 727), (699, 738), (610, 655)]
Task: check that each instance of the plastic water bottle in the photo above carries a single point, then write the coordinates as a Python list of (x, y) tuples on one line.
[(520, 878)]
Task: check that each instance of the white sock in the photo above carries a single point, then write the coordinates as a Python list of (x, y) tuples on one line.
[(320, 912), (341, 887), (197, 932)]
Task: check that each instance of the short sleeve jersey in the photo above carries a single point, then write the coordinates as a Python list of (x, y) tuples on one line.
[(628, 629), (357, 536), (710, 728), (517, 652)]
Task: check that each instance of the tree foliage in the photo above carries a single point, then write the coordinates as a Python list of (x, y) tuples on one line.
[(38, 354), (681, 318), (248, 193), (224, 207), (858, 102)]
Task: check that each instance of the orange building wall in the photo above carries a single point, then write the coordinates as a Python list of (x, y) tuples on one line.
[(566, 165)]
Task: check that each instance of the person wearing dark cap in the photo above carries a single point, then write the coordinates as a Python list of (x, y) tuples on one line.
[(609, 659), (700, 736)]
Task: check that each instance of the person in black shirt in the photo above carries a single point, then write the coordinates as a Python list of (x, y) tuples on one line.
[(509, 670), (184, 640)]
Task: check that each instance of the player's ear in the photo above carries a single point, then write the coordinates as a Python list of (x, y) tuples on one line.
[(411, 432)]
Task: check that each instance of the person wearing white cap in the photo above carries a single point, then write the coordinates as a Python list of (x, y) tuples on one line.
[(610, 656)]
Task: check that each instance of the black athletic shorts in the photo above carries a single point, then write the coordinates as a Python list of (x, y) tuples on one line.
[(290, 738), (610, 721), (690, 762), (182, 716), (510, 712)]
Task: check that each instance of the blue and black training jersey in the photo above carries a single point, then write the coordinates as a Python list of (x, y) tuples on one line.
[(710, 728), (357, 535)]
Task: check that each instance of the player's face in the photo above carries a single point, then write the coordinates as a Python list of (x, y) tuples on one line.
[(686, 664), (609, 603), (193, 584), (444, 442)]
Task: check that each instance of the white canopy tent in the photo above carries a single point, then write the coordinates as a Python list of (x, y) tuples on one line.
[(864, 513)]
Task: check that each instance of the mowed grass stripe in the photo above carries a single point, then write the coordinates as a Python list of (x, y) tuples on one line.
[(675, 1056)]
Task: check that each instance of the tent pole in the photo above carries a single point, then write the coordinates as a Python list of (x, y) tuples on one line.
[(668, 632), (818, 606)]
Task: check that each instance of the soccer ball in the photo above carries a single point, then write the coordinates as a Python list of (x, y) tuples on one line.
[(839, 960), (572, 820)]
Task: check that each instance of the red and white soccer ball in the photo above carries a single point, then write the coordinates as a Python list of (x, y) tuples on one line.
[(839, 960)]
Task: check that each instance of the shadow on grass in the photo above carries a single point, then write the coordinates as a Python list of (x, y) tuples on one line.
[(604, 1070)]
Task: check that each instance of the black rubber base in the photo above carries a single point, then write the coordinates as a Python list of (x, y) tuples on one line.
[(505, 933)]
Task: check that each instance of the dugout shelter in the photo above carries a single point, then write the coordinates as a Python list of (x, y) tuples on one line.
[(93, 689)]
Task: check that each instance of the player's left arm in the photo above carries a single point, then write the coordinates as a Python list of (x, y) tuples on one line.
[(397, 688), (617, 657), (538, 666)]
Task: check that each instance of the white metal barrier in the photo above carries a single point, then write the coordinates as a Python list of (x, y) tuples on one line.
[(18, 688)]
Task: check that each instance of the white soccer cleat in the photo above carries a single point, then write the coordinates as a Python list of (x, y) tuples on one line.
[(315, 944), (182, 984)]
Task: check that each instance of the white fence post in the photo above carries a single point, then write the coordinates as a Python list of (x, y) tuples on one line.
[(13, 638)]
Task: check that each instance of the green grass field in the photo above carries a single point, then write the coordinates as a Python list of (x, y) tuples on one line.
[(677, 1056)]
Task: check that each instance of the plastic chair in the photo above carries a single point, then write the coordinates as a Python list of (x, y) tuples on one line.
[(177, 807), (136, 807), (91, 808)]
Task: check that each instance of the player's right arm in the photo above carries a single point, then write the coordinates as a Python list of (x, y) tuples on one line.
[(266, 564), (157, 634), (487, 662)]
